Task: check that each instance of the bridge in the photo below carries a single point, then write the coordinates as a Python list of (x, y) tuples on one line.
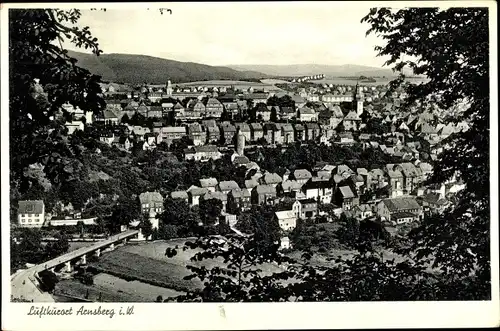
[(23, 283), (82, 253)]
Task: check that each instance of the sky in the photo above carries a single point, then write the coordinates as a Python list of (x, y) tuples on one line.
[(239, 33)]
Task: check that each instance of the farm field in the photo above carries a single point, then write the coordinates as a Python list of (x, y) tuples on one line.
[(345, 81), (274, 81), (222, 83), (237, 83)]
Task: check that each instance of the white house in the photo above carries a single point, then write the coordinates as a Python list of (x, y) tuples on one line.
[(151, 204), (31, 213), (285, 243), (286, 219)]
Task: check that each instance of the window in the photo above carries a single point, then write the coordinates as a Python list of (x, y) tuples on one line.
[(29, 220)]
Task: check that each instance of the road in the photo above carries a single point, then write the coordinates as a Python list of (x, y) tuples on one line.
[(23, 282)]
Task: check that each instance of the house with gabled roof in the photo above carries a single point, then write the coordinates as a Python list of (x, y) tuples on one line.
[(289, 186), (400, 210), (272, 179), (242, 197), (299, 101), (251, 183), (287, 113), (209, 183), (305, 208), (321, 190), (179, 110), (213, 108), (351, 121), (195, 193), (271, 132), (31, 213), (195, 109), (263, 194), (287, 133), (362, 211), (346, 198), (202, 153), (300, 132), (196, 133), (182, 195), (228, 132), (433, 203), (306, 114), (257, 131), (286, 219), (155, 112), (313, 131), (226, 186), (171, 133), (301, 175)]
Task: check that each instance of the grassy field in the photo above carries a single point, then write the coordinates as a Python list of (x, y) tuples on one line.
[(129, 266), (137, 272), (156, 250), (114, 289)]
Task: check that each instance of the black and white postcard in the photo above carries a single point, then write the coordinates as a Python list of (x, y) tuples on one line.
[(249, 165)]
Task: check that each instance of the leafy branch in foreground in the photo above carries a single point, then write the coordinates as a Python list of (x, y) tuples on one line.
[(451, 48), (246, 272), (42, 77)]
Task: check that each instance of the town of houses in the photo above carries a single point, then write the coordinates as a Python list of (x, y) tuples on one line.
[(218, 119)]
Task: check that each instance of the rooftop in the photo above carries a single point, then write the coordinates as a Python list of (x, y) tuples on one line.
[(400, 204), (149, 197), (30, 207), (346, 192)]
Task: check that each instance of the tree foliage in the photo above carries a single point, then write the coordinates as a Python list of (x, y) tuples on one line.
[(451, 48), (35, 52)]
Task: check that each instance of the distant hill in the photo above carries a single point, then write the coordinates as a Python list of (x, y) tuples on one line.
[(136, 69), (316, 69)]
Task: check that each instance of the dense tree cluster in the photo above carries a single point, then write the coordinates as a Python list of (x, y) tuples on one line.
[(27, 247)]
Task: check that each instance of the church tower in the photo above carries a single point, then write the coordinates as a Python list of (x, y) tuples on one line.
[(360, 98), (169, 88), (240, 143)]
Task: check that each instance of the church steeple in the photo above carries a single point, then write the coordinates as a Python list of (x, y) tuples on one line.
[(360, 98), (169, 88)]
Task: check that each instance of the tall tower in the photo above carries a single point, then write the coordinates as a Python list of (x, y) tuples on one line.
[(240, 143), (169, 88), (360, 98)]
